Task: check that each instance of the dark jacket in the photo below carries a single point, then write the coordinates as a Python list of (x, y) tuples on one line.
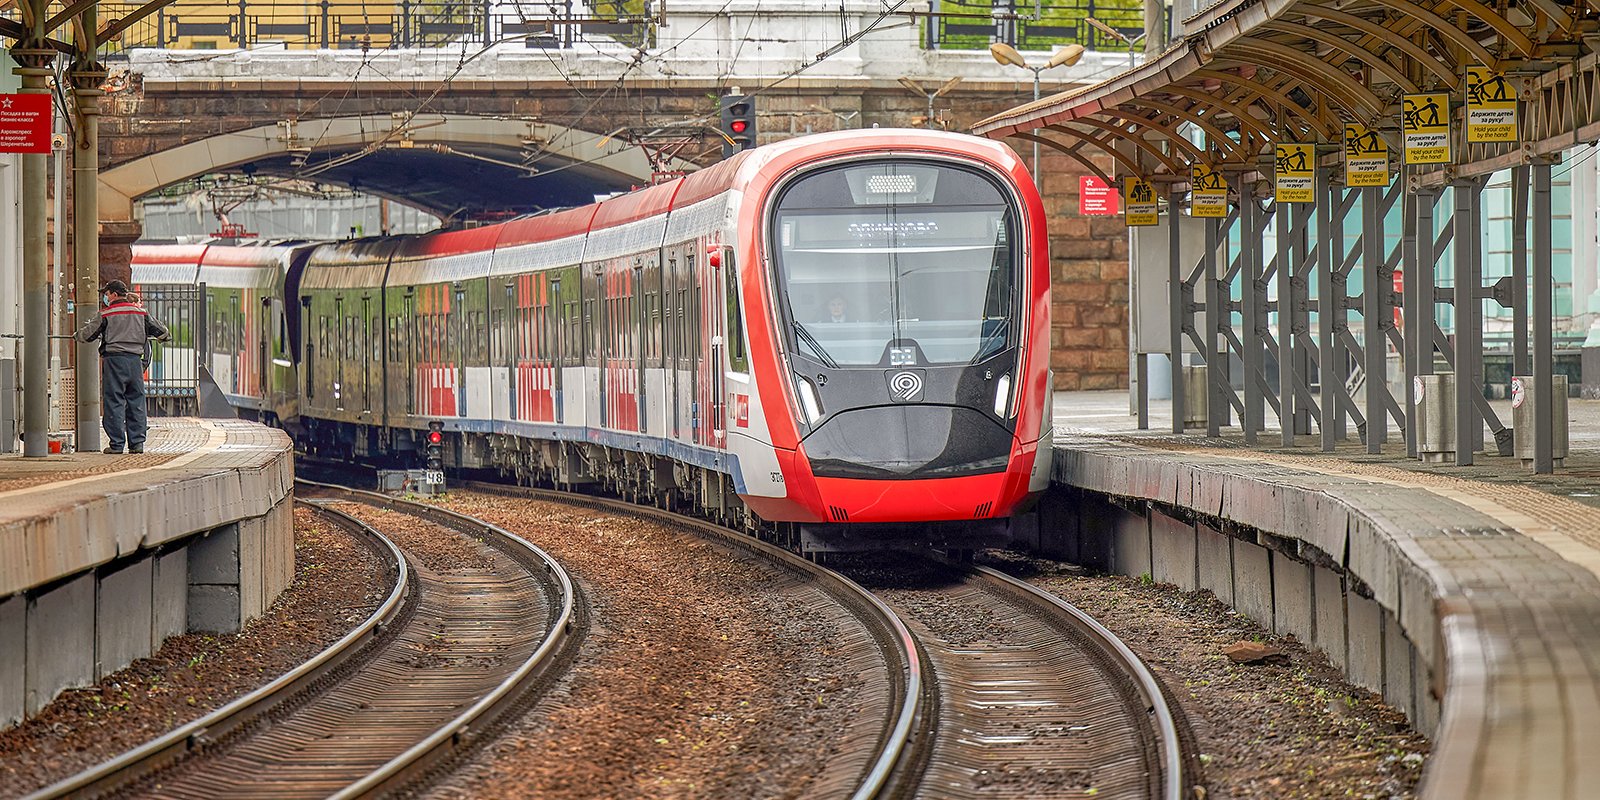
[(122, 330)]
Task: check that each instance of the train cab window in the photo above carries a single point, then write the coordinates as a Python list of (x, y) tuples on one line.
[(895, 263)]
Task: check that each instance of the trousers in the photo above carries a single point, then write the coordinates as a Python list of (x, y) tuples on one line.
[(122, 400)]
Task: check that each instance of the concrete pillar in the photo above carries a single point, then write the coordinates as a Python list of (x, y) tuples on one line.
[(1291, 598), (1398, 655), (169, 596), (1252, 582), (1214, 557), (1132, 544), (122, 617), (1172, 551), (1329, 626), (13, 659), (214, 601), (60, 640), (1366, 642)]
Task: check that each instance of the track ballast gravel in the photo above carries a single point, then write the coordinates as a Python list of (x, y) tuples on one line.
[(705, 672)]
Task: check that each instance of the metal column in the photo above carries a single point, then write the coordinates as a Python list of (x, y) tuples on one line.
[(1374, 347), (1177, 307), (1418, 332), (1519, 271), (1216, 317), (1467, 329), (1478, 376), (34, 67), (1254, 417), (1286, 324), (1543, 338), (1327, 306), (87, 76)]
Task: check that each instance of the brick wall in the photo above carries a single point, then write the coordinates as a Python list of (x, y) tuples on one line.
[(1089, 277)]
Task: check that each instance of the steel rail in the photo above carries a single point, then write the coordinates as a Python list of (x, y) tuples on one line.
[(894, 748), (1154, 700), (457, 732), (174, 744)]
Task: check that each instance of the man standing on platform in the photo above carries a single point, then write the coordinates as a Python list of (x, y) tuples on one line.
[(123, 328)]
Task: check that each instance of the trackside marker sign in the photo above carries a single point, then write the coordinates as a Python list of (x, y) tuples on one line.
[(25, 123)]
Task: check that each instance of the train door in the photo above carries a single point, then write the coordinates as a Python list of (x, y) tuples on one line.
[(366, 350), (558, 336), (264, 329), (459, 316), (511, 335), (596, 347), (644, 336), (410, 324), (340, 356)]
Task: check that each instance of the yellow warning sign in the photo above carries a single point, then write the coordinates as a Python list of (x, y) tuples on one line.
[(1296, 173), (1140, 209), (1208, 192), (1426, 125), (1491, 106), (1366, 157)]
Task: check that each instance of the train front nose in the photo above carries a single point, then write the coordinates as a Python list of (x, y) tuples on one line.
[(902, 304)]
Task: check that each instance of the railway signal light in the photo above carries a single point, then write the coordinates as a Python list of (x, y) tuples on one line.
[(738, 124), (434, 451)]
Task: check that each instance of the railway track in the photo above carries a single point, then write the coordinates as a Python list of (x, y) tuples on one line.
[(1036, 699), (441, 660), (1056, 706), (874, 766)]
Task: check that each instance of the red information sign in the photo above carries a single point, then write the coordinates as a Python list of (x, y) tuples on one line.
[(1096, 198), (25, 123)]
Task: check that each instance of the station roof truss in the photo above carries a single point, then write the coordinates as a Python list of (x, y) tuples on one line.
[(1248, 74)]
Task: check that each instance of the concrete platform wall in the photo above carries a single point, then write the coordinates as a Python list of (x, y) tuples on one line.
[(1281, 592), (97, 596), (1471, 617)]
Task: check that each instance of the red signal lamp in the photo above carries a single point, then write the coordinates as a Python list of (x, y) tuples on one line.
[(738, 126), (435, 437)]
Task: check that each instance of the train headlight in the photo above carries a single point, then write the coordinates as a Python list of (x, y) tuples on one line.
[(808, 401), (1002, 396)]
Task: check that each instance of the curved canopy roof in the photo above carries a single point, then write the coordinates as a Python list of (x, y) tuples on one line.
[(1248, 74)]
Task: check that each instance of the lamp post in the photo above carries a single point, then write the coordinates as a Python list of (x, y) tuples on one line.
[(917, 88), (1066, 56)]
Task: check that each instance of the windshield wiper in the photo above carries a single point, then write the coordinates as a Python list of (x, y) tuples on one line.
[(811, 341)]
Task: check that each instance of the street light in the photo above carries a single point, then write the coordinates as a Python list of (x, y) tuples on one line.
[(917, 88), (1008, 55)]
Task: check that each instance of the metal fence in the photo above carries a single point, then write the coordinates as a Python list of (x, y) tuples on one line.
[(974, 24), (558, 24), (175, 364), (324, 24)]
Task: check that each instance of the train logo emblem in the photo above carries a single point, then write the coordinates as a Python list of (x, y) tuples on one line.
[(905, 386)]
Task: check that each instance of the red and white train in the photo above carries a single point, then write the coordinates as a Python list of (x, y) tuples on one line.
[(847, 332)]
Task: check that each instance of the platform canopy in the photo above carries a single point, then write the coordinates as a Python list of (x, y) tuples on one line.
[(1253, 73)]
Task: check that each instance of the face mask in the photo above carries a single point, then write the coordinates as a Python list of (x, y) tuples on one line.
[(105, 300)]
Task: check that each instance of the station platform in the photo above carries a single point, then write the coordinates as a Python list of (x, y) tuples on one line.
[(1467, 596), (102, 557)]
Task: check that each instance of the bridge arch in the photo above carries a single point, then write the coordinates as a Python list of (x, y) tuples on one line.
[(442, 163)]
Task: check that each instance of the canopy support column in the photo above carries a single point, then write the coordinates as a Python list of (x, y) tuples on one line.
[(1543, 334)]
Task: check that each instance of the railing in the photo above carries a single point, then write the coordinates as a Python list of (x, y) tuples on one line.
[(324, 24), (559, 24), (1039, 25), (175, 363)]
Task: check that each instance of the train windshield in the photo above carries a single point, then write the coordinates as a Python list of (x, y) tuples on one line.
[(897, 263)]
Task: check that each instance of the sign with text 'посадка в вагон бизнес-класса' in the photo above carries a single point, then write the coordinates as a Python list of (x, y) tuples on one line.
[(25, 121)]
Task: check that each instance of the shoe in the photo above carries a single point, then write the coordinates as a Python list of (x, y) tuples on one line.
[(136, 449), (112, 451)]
